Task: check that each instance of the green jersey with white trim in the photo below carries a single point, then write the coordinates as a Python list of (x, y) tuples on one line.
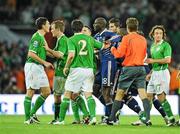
[(160, 51), (36, 46), (62, 47), (83, 46)]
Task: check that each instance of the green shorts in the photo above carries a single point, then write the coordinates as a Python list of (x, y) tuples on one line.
[(132, 76), (58, 85)]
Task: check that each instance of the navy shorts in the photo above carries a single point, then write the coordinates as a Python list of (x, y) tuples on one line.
[(108, 71)]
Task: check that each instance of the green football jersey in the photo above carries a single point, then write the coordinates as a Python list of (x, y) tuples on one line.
[(160, 51), (36, 46), (83, 46), (61, 46)]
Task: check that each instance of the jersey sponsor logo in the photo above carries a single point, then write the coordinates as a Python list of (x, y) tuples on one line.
[(35, 43)]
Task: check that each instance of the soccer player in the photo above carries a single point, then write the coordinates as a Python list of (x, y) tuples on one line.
[(108, 64), (133, 49), (160, 77), (35, 75), (80, 66), (60, 52), (114, 26)]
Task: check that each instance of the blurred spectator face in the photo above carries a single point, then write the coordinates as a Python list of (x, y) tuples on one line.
[(86, 31), (54, 31), (112, 27), (158, 35), (46, 27)]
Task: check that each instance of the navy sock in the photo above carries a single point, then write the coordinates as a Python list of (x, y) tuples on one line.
[(159, 107), (132, 104), (108, 108)]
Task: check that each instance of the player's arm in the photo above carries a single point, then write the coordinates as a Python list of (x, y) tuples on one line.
[(167, 55), (121, 50), (34, 56), (178, 75), (166, 60), (54, 53), (71, 55)]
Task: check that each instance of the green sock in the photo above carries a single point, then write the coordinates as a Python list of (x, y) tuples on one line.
[(27, 107), (64, 107), (91, 106), (81, 103), (39, 102), (75, 109), (167, 108)]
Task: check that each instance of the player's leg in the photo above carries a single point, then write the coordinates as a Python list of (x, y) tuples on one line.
[(159, 107), (45, 92), (141, 85), (108, 74), (27, 104), (58, 88), (162, 88), (87, 86), (81, 104)]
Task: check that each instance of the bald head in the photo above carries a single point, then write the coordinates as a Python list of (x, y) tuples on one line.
[(99, 24)]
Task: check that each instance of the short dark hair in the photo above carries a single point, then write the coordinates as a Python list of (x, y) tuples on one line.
[(157, 27), (40, 21), (115, 21), (59, 25), (88, 28), (132, 24), (76, 26)]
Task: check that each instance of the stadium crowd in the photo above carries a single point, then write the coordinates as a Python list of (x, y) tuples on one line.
[(12, 56)]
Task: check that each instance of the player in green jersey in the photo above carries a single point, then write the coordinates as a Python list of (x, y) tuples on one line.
[(159, 77), (60, 52), (80, 66), (35, 75)]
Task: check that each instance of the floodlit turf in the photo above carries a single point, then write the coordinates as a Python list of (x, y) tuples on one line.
[(14, 125)]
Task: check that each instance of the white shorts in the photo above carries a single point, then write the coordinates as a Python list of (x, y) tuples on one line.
[(80, 79), (159, 82), (35, 76)]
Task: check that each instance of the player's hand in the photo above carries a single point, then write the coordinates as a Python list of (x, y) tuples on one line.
[(107, 44), (149, 60), (178, 75), (148, 77), (46, 47), (48, 65), (65, 71)]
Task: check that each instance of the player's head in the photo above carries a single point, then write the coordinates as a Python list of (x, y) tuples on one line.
[(114, 25), (42, 23), (132, 24), (76, 26), (86, 30), (99, 24), (57, 27), (158, 33)]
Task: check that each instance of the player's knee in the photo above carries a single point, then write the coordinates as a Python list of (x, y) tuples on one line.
[(30, 93)]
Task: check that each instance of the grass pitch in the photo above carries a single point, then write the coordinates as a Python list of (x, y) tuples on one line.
[(13, 124)]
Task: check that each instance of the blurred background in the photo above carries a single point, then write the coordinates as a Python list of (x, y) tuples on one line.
[(17, 26)]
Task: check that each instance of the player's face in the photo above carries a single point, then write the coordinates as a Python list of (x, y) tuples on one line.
[(86, 31), (54, 31), (158, 35), (97, 25), (46, 26), (112, 27)]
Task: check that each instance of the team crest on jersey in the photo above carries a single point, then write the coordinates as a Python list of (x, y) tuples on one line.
[(35, 43)]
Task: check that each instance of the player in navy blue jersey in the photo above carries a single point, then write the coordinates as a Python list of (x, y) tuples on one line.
[(108, 65)]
